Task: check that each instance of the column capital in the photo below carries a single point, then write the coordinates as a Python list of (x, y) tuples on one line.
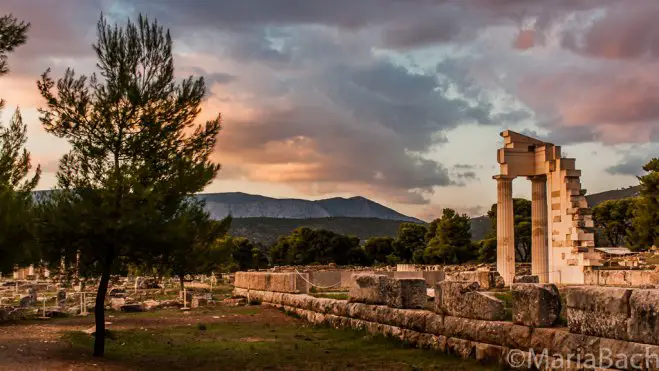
[(504, 178), (537, 178)]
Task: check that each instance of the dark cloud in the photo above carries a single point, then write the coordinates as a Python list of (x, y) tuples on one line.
[(633, 161)]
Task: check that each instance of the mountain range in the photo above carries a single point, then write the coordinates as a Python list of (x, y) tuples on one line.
[(264, 219), (243, 205)]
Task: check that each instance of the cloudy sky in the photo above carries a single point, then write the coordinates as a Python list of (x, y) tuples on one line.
[(400, 101)]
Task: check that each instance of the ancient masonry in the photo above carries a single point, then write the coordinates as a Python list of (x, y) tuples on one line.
[(606, 326), (562, 225)]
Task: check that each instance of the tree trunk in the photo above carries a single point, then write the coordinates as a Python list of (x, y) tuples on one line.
[(99, 309), (182, 283)]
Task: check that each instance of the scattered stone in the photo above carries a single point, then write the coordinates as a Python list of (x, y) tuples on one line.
[(117, 303), (235, 302), (526, 279), (117, 293), (536, 305), (151, 304), (198, 302)]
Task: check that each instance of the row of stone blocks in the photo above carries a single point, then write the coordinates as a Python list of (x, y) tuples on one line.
[(491, 341), (617, 313), (291, 282), (534, 304)]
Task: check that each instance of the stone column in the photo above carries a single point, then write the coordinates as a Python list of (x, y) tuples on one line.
[(539, 250), (505, 228)]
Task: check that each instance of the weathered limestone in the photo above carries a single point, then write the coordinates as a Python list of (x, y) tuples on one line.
[(381, 289), (598, 311), (526, 279), (536, 305), (278, 282), (490, 341), (461, 298), (643, 324), (562, 225), (539, 252), (505, 229), (486, 279)]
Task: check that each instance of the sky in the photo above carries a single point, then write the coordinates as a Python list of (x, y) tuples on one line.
[(400, 101)]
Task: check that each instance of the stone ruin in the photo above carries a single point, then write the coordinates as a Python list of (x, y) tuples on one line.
[(562, 226), (468, 322)]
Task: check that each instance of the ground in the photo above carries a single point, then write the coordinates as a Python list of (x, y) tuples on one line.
[(217, 338)]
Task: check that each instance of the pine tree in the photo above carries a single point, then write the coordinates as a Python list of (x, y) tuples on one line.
[(136, 154), (16, 180), (645, 232)]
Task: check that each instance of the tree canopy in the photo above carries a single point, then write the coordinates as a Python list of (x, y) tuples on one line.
[(646, 216), (137, 151)]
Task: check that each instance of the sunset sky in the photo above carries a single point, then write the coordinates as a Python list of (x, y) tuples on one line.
[(398, 101)]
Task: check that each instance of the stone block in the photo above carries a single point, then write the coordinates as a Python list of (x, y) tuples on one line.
[(461, 299), (536, 305), (598, 311), (526, 279), (198, 301), (643, 325), (383, 290), (117, 303)]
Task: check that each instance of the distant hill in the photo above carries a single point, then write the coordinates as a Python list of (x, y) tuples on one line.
[(268, 230), (616, 194), (243, 205), (481, 225)]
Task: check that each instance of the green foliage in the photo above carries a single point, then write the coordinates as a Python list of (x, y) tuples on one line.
[(17, 240), (451, 241), (646, 216), (306, 246), (379, 248), (613, 221), (487, 250), (411, 238), (183, 244), (13, 33), (137, 153), (523, 236)]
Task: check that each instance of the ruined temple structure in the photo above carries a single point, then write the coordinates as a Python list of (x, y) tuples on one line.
[(562, 226)]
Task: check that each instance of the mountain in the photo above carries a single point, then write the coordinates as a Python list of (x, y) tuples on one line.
[(243, 205), (615, 194), (481, 225)]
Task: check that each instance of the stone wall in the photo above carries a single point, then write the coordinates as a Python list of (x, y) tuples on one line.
[(343, 279), (276, 282), (631, 278), (612, 312), (488, 341)]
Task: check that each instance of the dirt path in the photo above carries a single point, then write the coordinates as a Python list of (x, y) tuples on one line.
[(37, 345)]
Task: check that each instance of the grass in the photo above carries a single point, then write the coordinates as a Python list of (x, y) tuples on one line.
[(261, 342), (507, 298)]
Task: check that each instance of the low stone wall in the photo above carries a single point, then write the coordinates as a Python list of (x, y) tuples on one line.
[(277, 282), (343, 279), (488, 341), (631, 278), (486, 279), (612, 312), (393, 292)]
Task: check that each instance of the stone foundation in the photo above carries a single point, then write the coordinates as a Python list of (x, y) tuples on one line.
[(487, 341)]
